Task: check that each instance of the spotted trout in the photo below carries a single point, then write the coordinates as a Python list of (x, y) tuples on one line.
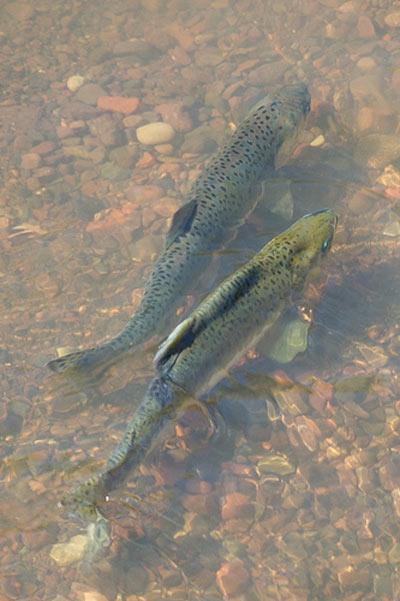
[(217, 204), (217, 333)]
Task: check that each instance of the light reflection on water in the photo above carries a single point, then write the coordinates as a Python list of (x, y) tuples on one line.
[(296, 486)]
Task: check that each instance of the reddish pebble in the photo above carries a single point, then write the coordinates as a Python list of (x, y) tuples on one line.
[(197, 487), (365, 27), (44, 148), (392, 193), (143, 194), (146, 160), (321, 394), (232, 577), (198, 503), (118, 104), (30, 160), (236, 505)]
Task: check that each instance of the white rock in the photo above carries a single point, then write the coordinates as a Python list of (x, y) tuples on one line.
[(94, 596), (66, 553), (318, 141), (155, 133), (393, 19), (75, 82)]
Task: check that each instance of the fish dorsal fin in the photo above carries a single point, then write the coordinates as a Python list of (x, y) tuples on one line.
[(181, 221), (179, 339)]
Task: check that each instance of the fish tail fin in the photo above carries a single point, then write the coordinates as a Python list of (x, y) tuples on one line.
[(84, 359), (140, 432)]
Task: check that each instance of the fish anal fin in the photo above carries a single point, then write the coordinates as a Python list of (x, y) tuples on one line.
[(179, 339), (181, 221)]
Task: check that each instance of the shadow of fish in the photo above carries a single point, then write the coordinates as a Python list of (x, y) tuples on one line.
[(217, 333), (219, 201)]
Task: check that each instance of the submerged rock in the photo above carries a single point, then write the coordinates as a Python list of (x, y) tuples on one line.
[(155, 133), (70, 552), (291, 342), (276, 464), (75, 82)]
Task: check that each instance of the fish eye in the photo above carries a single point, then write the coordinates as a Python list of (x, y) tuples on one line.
[(325, 245)]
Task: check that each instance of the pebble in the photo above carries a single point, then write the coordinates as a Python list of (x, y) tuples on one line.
[(143, 194), (91, 596), (390, 177), (175, 114), (318, 141), (30, 160), (276, 464), (232, 578), (75, 82), (118, 104), (145, 161), (155, 133), (43, 148), (104, 128), (198, 503), (198, 141), (114, 172), (124, 156), (393, 228), (65, 554), (394, 553), (164, 148), (132, 120), (365, 118), (366, 63), (393, 19), (140, 48), (365, 27), (96, 155), (236, 505), (89, 93), (292, 341)]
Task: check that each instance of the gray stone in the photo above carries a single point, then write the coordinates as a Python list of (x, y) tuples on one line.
[(140, 49), (125, 156), (114, 172), (200, 140), (104, 128), (89, 93)]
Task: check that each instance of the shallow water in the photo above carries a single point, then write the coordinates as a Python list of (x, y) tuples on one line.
[(296, 495)]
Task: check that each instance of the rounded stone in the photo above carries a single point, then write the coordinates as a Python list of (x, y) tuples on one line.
[(30, 160), (366, 63), (155, 133), (393, 19), (75, 82), (89, 93), (70, 552)]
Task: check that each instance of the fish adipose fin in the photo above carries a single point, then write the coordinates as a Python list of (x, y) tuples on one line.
[(181, 222)]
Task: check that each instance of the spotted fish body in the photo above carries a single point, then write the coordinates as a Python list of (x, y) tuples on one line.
[(241, 309), (217, 204)]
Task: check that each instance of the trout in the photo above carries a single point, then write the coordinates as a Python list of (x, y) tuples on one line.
[(215, 335), (217, 204)]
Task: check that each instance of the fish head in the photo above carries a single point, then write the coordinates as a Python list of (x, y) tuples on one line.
[(308, 242), (291, 107)]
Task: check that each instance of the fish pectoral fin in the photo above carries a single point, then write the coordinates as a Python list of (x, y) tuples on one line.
[(179, 339), (181, 222)]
